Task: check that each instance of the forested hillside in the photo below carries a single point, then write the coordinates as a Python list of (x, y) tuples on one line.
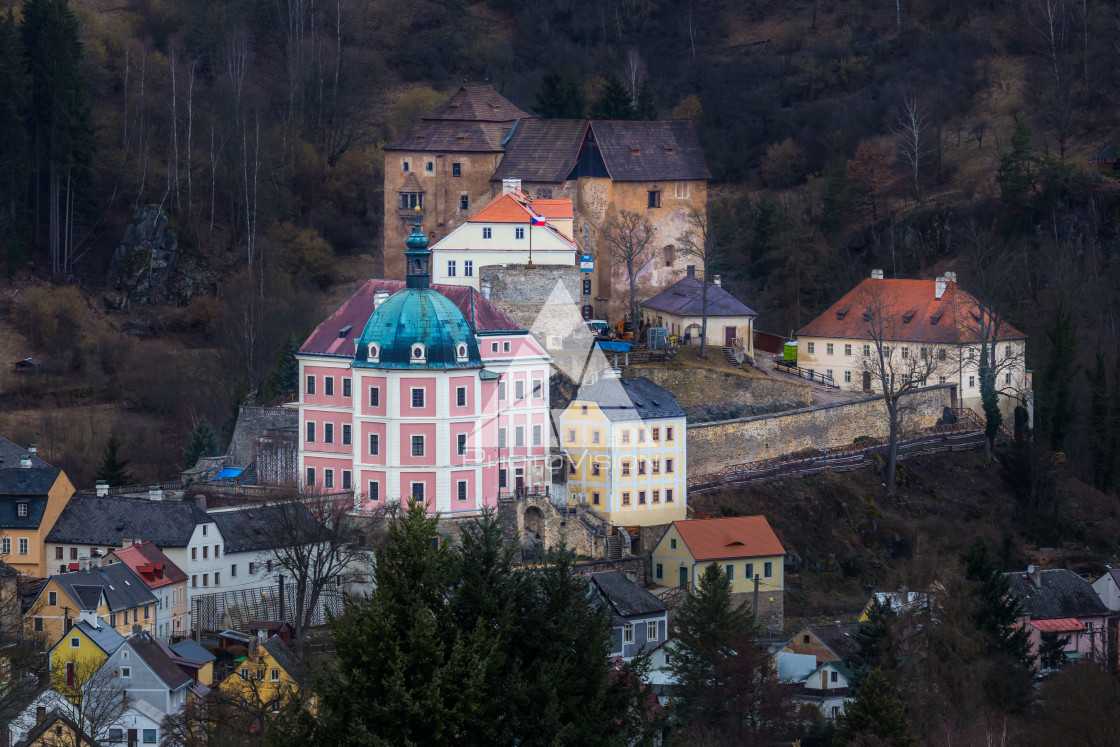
[(917, 136)]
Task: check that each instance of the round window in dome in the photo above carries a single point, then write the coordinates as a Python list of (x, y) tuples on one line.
[(373, 353), (418, 353), (461, 352)]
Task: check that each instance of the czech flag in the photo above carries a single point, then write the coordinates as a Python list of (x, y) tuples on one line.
[(538, 220)]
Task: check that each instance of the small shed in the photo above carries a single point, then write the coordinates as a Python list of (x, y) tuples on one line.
[(266, 629), (231, 638), (681, 308), (28, 366)]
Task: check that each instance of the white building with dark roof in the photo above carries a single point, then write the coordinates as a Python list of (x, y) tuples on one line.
[(640, 621), (680, 307)]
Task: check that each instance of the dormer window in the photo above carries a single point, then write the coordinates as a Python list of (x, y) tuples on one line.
[(373, 354), (908, 316), (419, 354), (21, 510), (461, 352)]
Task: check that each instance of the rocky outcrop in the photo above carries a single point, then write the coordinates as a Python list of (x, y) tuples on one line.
[(146, 257)]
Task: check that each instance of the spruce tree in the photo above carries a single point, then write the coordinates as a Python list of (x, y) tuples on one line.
[(203, 443), (644, 105), (989, 398), (614, 102), (997, 609), (873, 647), (13, 145), (113, 464), (874, 714)]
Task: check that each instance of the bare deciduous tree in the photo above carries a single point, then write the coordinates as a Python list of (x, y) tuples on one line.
[(913, 145), (629, 238), (21, 660), (700, 242), (91, 695)]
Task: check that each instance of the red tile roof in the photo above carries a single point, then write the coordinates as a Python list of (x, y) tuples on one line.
[(912, 311), (1059, 625), (514, 207), (332, 337), (734, 537), (149, 563)]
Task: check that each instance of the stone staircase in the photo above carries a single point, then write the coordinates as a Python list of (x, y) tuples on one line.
[(729, 356), (614, 547)]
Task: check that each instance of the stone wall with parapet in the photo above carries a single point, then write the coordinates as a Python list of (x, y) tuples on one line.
[(713, 446), (523, 293)]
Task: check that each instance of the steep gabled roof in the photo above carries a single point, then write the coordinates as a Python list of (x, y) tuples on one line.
[(837, 638), (733, 537), (121, 588), (477, 102), (650, 151), (625, 597), (542, 150), (630, 399), (1061, 593), (158, 661), (475, 119), (90, 520), (686, 297), (149, 563), (106, 638), (23, 482), (911, 310), (286, 659), (514, 207), (248, 529)]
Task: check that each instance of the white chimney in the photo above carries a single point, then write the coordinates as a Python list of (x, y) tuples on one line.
[(951, 277), (83, 562), (155, 493), (717, 280), (101, 488), (25, 462), (1035, 574), (939, 287), (126, 542), (33, 449), (379, 298), (90, 616), (485, 290), (511, 185), (876, 274)]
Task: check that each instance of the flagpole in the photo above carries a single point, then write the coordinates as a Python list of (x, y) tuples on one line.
[(530, 265)]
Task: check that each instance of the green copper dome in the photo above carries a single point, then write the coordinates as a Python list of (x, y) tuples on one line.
[(417, 328)]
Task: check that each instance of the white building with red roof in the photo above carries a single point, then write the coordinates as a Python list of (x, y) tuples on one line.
[(509, 230), (431, 392)]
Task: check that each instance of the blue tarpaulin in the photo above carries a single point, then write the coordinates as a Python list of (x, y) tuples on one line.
[(230, 472), (617, 347)]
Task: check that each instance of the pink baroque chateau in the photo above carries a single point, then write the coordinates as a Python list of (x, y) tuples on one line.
[(413, 390)]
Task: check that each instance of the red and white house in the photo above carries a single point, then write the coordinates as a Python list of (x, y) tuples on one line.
[(411, 390)]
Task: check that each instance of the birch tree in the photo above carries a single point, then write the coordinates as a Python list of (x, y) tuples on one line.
[(913, 144)]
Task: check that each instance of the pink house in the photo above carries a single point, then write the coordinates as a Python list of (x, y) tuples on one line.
[(431, 392), (1058, 602)]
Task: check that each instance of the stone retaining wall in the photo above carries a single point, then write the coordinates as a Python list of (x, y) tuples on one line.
[(702, 386)]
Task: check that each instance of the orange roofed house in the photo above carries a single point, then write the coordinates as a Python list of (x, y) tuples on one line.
[(744, 547), (165, 579), (921, 320)]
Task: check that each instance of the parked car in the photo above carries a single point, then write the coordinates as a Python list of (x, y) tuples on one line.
[(599, 328)]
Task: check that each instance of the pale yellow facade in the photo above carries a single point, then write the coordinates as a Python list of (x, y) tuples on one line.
[(27, 550), (53, 607), (674, 565), (262, 681), (632, 472), (75, 647)]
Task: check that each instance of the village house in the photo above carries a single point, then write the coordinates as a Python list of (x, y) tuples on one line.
[(251, 533), (827, 688), (113, 594), (928, 328), (51, 721), (824, 642), (196, 661), (1059, 604), (626, 447), (82, 651), (458, 156), (410, 390), (511, 229), (899, 602), (166, 580), (269, 678), (680, 307), (640, 621), (32, 495), (148, 673), (744, 547)]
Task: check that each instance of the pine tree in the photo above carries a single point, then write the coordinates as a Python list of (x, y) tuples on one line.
[(614, 102), (13, 145), (989, 398), (560, 97), (203, 443), (875, 712), (283, 380), (113, 464), (644, 105), (997, 609), (873, 647), (1057, 405)]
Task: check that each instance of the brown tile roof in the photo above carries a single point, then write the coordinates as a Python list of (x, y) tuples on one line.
[(913, 313), (650, 151), (733, 537), (476, 119), (329, 338), (542, 150), (837, 637), (477, 102)]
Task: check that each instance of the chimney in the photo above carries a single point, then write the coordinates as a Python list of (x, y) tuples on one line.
[(951, 277), (155, 493), (126, 542), (83, 563), (101, 488), (717, 280), (137, 629), (1036, 576), (379, 298), (485, 290), (200, 501), (876, 274), (511, 185), (25, 461), (40, 714), (939, 287), (33, 449)]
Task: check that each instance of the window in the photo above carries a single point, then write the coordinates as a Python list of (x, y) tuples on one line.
[(828, 348), (669, 435), (464, 202), (233, 571), (274, 675), (310, 431), (657, 466), (905, 352), (832, 677), (310, 384), (501, 389), (651, 630), (6, 546), (587, 286), (669, 496), (767, 569), (374, 444), (75, 643), (828, 373), (205, 579), (501, 477), (538, 435), (571, 435), (628, 634), (626, 498), (456, 169), (346, 479), (428, 166), (866, 351), (149, 736), (595, 436), (451, 268), (847, 377), (971, 382), (583, 409), (23, 546), (417, 446), (595, 469), (125, 671), (626, 468), (417, 397), (812, 347), (538, 389), (940, 379), (418, 491), (594, 502), (374, 491), (641, 466), (847, 349), (205, 552), (411, 200), (328, 433), (519, 436), (625, 435), (404, 166), (461, 396), (942, 354), (73, 553), (21, 509), (501, 438), (374, 396), (654, 198), (505, 346), (673, 544), (310, 476), (659, 571), (252, 568), (461, 444), (39, 623), (668, 466), (346, 433), (519, 389), (461, 490), (468, 268), (328, 386), (657, 496), (641, 435), (748, 569), (519, 233), (729, 569), (57, 550), (487, 232), (346, 388)]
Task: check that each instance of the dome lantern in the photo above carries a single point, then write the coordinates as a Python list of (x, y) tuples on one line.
[(417, 257)]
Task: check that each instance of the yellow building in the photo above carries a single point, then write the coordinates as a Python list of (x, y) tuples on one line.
[(627, 456), (80, 652), (113, 594), (745, 547), (269, 678), (32, 495)]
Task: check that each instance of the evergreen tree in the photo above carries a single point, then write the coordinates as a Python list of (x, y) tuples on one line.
[(614, 102), (874, 713), (1051, 649), (1104, 423), (997, 609), (989, 398), (203, 443), (283, 380), (644, 105), (1057, 401), (873, 647), (13, 145), (1014, 175), (560, 97), (113, 464)]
